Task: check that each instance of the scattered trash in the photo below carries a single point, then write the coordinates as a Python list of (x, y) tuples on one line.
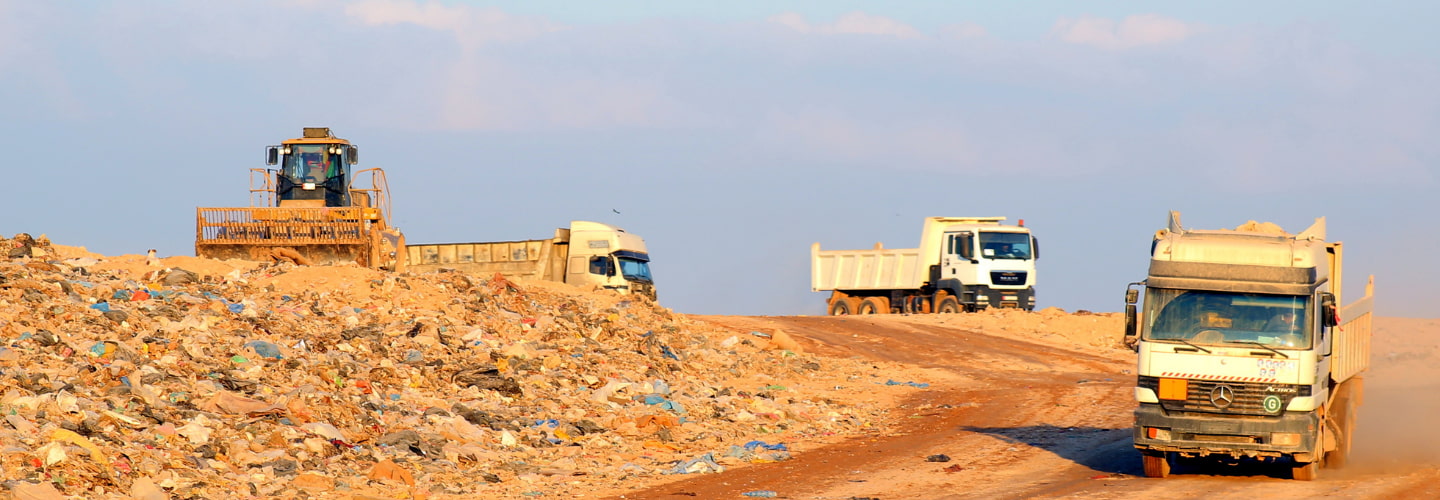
[(912, 384), (234, 378), (761, 494), (751, 446), (264, 349), (699, 465), (937, 458)]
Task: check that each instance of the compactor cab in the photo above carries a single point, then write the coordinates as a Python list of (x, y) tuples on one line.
[(314, 170), (308, 210)]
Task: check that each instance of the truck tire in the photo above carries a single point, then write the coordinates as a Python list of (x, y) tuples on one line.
[(844, 306), (1305, 471), (948, 305), (1347, 397), (873, 305), (1156, 464)]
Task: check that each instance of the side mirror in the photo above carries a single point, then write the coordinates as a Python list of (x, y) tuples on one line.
[(272, 155), (1132, 296), (1328, 312), (354, 155), (1035, 248)]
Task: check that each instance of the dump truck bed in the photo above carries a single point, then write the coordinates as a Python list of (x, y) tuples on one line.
[(878, 269), (526, 259)]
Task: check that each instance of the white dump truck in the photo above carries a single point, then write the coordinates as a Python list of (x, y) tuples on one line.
[(1244, 351), (584, 254), (962, 264)]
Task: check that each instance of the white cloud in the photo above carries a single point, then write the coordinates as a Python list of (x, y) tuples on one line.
[(854, 23), (472, 26), (1134, 31)]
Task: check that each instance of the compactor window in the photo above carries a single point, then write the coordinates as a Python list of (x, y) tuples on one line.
[(996, 245), (1217, 318), (311, 163)]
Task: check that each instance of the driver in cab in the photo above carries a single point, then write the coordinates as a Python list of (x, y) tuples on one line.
[(315, 167)]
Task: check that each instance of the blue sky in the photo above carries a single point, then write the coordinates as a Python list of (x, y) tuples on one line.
[(732, 135)]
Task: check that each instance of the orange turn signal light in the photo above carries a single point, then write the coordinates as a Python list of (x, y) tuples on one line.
[(1174, 388)]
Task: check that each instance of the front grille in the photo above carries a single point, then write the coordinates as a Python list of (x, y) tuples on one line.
[(1008, 277), (1216, 438), (1247, 398)]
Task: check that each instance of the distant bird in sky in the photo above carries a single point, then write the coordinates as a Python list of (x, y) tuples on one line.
[(614, 210)]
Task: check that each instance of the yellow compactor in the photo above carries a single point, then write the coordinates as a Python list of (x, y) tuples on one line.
[(309, 210)]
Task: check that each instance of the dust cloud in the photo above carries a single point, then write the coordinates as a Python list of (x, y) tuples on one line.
[(1402, 395)]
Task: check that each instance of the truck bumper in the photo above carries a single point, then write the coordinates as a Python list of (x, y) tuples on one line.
[(1006, 298), (1227, 435)]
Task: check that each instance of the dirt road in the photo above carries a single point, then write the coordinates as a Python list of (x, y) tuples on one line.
[(1019, 417)]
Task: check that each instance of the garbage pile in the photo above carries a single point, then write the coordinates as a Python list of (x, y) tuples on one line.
[(152, 381)]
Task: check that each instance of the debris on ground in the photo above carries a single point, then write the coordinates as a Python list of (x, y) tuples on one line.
[(138, 377)]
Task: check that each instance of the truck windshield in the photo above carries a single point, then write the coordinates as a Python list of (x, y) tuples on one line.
[(998, 245), (635, 270), (1216, 318)]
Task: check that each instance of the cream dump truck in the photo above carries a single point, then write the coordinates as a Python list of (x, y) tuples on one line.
[(962, 264), (584, 254), (1244, 350)]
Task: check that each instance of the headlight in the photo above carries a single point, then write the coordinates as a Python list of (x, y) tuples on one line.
[(1284, 439)]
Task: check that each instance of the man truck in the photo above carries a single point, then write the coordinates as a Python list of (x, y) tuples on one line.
[(1244, 349), (962, 264), (584, 254)]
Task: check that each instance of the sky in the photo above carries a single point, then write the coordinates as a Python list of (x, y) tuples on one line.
[(733, 135)]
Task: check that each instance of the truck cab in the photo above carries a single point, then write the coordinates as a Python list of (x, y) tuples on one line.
[(607, 256), (985, 264)]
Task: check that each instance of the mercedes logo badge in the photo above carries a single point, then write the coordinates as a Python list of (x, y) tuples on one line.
[(1222, 396)]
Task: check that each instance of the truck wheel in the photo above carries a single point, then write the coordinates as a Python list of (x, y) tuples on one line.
[(1345, 406), (1156, 464), (1305, 472), (874, 305), (843, 306), (948, 305)]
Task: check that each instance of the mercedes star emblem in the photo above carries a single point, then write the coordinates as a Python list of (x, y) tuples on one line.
[(1222, 396)]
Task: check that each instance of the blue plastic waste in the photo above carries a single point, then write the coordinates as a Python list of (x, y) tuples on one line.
[(698, 465), (911, 384), (265, 349), (655, 399), (763, 445), (235, 307), (761, 494), (101, 306), (549, 422)]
